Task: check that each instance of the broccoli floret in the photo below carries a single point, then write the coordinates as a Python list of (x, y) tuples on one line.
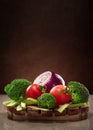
[(46, 100), (16, 89), (80, 93)]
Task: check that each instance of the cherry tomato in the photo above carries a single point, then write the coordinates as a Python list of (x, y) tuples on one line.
[(33, 91), (61, 96)]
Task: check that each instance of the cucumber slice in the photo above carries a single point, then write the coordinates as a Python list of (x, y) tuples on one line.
[(30, 101), (10, 103), (62, 108), (19, 108), (77, 105), (23, 105), (37, 108)]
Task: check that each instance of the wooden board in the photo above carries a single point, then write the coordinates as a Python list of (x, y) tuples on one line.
[(69, 114)]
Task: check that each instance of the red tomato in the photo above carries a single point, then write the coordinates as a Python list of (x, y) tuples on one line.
[(61, 97), (33, 91)]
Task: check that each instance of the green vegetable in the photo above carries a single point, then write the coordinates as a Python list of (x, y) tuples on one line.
[(62, 107), (78, 105), (10, 103), (46, 100), (23, 105), (19, 108), (80, 93), (16, 89), (30, 101), (38, 108), (20, 105)]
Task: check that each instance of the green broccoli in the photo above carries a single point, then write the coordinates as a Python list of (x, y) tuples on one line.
[(46, 100), (16, 89), (80, 93)]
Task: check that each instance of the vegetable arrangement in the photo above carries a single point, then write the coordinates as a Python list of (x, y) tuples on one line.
[(47, 91)]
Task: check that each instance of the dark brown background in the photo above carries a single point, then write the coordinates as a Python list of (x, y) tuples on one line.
[(42, 35)]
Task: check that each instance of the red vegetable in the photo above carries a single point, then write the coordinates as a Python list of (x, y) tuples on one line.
[(33, 91), (60, 95), (49, 79)]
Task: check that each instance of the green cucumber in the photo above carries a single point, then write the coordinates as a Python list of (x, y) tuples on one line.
[(62, 108), (77, 105), (38, 108), (30, 101), (19, 108), (23, 105), (10, 103)]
